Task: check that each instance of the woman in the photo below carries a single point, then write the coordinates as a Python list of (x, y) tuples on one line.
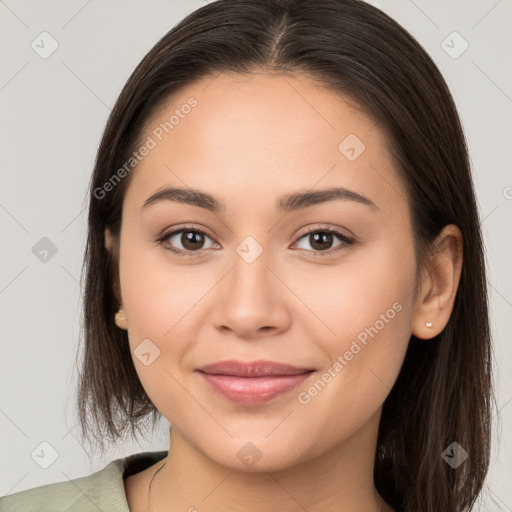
[(284, 260)]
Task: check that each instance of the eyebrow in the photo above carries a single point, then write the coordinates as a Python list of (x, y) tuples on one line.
[(288, 203)]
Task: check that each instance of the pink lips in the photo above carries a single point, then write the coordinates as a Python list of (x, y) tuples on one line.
[(254, 382)]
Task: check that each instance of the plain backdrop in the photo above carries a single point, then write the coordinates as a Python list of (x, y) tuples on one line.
[(54, 108)]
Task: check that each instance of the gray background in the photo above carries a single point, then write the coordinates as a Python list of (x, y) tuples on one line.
[(53, 113)]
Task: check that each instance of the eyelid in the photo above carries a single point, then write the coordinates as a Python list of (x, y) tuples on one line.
[(176, 229), (326, 227)]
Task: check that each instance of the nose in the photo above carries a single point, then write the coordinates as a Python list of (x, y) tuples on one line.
[(251, 302)]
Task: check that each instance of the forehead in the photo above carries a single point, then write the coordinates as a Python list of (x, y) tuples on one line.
[(262, 134)]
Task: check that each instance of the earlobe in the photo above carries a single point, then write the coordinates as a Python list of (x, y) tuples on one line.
[(438, 288), (120, 319)]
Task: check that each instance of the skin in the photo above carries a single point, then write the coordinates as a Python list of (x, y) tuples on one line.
[(287, 305)]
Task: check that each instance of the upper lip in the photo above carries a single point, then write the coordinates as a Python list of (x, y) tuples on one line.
[(252, 368)]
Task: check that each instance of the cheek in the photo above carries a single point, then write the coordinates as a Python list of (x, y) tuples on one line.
[(369, 309), (161, 302), (164, 305), (157, 293), (368, 287)]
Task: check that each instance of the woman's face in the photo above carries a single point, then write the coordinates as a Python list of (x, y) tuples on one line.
[(266, 283)]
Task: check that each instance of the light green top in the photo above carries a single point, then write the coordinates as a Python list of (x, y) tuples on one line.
[(102, 491)]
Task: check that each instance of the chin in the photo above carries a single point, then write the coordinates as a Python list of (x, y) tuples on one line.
[(256, 456)]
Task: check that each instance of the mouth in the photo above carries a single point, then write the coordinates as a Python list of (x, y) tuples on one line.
[(252, 383)]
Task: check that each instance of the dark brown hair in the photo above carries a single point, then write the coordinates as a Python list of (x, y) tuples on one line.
[(443, 393)]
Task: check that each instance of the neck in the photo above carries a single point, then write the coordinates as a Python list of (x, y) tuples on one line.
[(339, 480)]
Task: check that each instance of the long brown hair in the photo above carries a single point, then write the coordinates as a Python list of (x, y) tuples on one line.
[(443, 393)]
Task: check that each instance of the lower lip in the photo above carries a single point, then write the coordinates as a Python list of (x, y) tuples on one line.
[(253, 390)]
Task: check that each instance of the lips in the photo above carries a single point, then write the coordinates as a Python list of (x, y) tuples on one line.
[(255, 382)]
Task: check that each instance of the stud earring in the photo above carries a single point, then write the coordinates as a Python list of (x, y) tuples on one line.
[(429, 325), (119, 319)]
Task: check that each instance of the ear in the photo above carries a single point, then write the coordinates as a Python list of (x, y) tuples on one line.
[(110, 245), (439, 284)]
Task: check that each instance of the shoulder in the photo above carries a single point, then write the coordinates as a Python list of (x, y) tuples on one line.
[(101, 490)]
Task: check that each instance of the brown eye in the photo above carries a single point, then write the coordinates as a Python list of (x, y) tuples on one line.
[(186, 241), (323, 240), (192, 240)]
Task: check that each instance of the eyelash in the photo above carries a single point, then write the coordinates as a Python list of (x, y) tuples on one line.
[(347, 241)]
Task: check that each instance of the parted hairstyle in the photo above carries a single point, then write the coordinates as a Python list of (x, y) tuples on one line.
[(443, 393)]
